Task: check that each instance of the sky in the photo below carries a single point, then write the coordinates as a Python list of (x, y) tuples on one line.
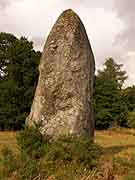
[(110, 26)]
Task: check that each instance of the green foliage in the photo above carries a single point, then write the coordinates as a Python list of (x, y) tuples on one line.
[(76, 149), (32, 147), (18, 77), (31, 141), (29, 167), (110, 106), (6, 40), (65, 157), (131, 119), (129, 96), (70, 149)]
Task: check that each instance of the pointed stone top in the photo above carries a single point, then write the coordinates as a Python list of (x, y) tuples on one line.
[(68, 19), (69, 12)]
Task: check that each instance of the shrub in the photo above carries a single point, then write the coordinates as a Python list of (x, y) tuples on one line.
[(40, 156), (31, 144), (66, 149), (73, 149), (31, 141), (29, 168)]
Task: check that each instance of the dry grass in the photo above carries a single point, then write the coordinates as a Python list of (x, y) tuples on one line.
[(119, 142), (8, 139)]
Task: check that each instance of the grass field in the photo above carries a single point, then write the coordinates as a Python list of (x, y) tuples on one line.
[(117, 142), (119, 156), (8, 139), (117, 161)]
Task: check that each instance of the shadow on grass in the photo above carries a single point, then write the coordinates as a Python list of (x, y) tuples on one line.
[(117, 149)]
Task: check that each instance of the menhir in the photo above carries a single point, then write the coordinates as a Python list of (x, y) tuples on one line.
[(63, 102)]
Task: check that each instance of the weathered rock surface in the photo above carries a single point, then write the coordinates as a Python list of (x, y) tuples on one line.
[(64, 94)]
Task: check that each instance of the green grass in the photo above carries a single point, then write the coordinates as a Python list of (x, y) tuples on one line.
[(116, 162)]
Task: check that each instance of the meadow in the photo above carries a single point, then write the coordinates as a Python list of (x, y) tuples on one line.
[(117, 161)]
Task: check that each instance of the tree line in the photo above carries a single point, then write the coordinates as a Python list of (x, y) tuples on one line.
[(18, 78)]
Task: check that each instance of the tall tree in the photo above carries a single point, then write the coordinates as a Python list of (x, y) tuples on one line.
[(18, 72), (109, 104), (129, 96), (6, 40)]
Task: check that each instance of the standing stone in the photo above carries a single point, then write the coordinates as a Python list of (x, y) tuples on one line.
[(63, 101)]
